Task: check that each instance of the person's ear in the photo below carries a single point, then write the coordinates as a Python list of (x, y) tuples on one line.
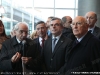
[(14, 31)]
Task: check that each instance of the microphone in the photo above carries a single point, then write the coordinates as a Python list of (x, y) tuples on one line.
[(23, 49), (23, 65), (25, 70)]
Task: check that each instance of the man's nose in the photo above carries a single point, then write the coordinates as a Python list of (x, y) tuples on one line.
[(24, 34), (88, 19)]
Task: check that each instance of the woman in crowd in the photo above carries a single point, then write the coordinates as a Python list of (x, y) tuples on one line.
[(34, 35), (3, 36)]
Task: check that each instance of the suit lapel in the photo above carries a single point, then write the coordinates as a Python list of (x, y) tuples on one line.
[(83, 42), (95, 32), (74, 44), (14, 41), (59, 43), (50, 45)]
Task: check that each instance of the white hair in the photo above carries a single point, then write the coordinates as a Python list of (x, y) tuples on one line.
[(16, 27)]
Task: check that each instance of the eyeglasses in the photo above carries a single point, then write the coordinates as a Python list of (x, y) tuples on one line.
[(90, 18), (77, 23)]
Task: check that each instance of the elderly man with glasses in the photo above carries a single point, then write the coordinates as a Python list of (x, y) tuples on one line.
[(85, 53)]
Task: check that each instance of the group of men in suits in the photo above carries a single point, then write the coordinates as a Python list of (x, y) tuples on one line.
[(81, 56), (55, 54)]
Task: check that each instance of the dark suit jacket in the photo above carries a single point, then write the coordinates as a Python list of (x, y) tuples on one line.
[(36, 41), (54, 61), (96, 32), (40, 49), (84, 56), (9, 48), (68, 33)]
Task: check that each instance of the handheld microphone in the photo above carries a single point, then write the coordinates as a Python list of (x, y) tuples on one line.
[(25, 70), (23, 65), (23, 42)]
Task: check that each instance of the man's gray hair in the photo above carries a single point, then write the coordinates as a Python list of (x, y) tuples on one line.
[(16, 27), (56, 18)]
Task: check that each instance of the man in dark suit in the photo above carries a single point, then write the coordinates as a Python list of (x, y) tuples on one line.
[(68, 33), (42, 33), (67, 30), (91, 20), (85, 53), (39, 42), (56, 47), (14, 54)]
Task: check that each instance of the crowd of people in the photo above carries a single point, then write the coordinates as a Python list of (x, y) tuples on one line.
[(57, 47)]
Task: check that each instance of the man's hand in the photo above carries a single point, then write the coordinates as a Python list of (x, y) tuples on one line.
[(26, 60), (16, 57)]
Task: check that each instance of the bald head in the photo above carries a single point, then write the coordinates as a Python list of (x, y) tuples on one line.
[(79, 26), (92, 13), (67, 20), (80, 19), (91, 18)]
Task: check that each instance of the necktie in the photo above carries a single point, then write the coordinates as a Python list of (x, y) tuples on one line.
[(53, 44), (90, 31), (76, 41), (42, 43)]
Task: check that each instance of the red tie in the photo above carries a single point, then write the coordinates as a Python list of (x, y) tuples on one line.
[(42, 43)]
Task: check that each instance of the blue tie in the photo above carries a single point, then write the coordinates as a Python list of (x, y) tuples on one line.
[(76, 41), (90, 31), (53, 44)]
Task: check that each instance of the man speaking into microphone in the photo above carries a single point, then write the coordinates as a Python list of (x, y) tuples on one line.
[(18, 50)]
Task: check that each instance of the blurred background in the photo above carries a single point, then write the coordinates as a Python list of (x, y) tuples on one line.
[(32, 11)]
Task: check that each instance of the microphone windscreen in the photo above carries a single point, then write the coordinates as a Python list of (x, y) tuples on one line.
[(23, 42)]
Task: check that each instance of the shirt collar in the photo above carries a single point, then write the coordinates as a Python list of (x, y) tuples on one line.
[(44, 38), (91, 29), (79, 39), (40, 39), (57, 37), (18, 40)]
